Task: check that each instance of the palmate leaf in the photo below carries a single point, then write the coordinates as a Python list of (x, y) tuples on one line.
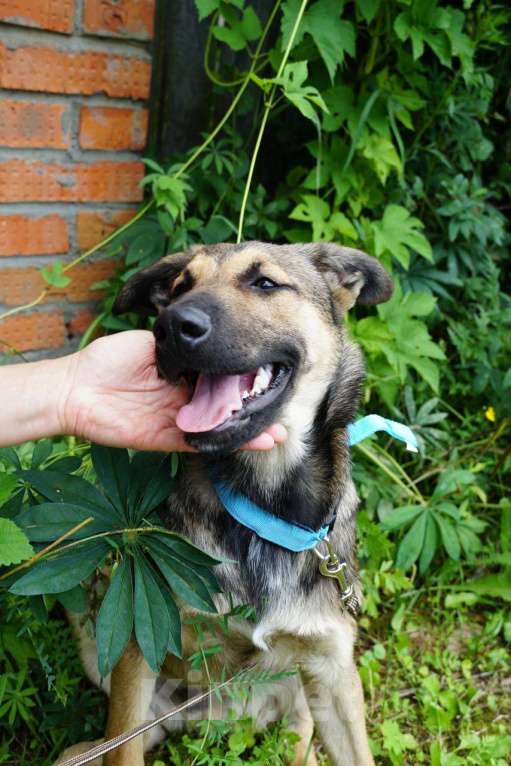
[(152, 620), (401, 517), (112, 469), (412, 543), (333, 37), (14, 545), (449, 537), (60, 488), (63, 572), (187, 550), (430, 544), (48, 521), (151, 480), (114, 624), (180, 577), (398, 234), (42, 452)]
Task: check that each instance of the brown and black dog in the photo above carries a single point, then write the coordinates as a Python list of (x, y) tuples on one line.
[(257, 331)]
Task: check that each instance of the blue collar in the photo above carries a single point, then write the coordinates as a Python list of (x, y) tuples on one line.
[(291, 535)]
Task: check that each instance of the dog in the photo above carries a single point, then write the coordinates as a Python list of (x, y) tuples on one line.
[(257, 332)]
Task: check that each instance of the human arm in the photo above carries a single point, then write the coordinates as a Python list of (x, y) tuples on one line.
[(109, 392)]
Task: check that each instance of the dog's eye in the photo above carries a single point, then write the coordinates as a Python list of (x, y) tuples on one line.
[(263, 283)]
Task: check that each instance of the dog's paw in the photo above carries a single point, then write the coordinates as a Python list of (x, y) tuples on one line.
[(80, 749)]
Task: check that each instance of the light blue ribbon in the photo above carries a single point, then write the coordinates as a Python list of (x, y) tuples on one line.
[(293, 536)]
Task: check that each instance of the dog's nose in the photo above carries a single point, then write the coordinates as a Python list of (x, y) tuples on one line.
[(191, 326)]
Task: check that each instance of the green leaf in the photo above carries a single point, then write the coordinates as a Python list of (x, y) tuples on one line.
[(457, 600), (114, 623), (238, 30), (369, 8), (53, 275), (112, 468), (398, 233), (449, 537), (14, 545), (8, 482), (74, 600), (63, 572), (429, 545), (47, 521), (10, 456), (42, 451), (401, 517), (186, 550), (152, 622), (494, 585), (150, 482), (382, 155), (412, 543), (205, 8), (180, 577), (72, 490), (333, 37)]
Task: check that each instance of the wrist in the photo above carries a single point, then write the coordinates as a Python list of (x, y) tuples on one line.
[(31, 395), (53, 382)]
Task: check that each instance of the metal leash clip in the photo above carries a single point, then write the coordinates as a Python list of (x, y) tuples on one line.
[(331, 566)]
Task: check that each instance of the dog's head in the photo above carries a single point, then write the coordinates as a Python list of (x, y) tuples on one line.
[(255, 330)]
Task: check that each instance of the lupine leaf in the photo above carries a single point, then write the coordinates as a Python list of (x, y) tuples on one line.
[(114, 623), (152, 621), (63, 572)]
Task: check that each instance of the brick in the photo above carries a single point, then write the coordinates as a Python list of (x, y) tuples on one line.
[(120, 18), (108, 127), (39, 68), (30, 235), (34, 125), (34, 181), (29, 332), (22, 285), (56, 15), (79, 323), (93, 226)]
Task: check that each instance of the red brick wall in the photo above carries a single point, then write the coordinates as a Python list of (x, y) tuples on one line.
[(74, 82)]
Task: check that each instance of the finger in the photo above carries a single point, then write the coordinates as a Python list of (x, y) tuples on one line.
[(262, 442), (278, 432)]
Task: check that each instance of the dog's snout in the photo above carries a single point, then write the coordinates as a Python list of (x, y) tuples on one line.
[(191, 326)]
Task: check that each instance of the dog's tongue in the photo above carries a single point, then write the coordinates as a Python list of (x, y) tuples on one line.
[(215, 398)]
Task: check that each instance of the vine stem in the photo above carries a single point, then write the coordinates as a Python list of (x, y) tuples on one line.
[(267, 109), (145, 209)]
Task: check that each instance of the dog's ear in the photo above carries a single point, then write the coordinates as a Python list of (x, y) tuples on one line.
[(353, 276), (149, 288)]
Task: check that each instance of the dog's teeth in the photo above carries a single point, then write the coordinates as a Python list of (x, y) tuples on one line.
[(245, 395), (262, 380)]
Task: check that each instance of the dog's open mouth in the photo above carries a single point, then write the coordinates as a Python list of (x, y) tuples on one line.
[(220, 401)]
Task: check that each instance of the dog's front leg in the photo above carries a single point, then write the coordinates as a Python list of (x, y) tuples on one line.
[(336, 700), (131, 689)]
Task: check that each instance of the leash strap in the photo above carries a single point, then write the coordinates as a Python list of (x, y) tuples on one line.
[(127, 736)]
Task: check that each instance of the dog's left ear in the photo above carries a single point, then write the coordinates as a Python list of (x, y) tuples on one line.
[(353, 276)]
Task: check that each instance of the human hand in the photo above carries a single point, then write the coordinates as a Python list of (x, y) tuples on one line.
[(113, 396)]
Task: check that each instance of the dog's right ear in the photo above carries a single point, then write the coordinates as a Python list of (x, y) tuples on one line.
[(149, 289)]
